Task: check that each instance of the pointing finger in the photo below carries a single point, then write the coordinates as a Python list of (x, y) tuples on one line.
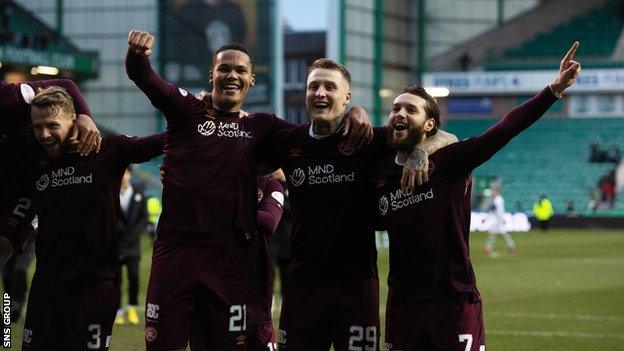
[(571, 52)]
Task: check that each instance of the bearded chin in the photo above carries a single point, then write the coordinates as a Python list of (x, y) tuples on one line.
[(414, 136)]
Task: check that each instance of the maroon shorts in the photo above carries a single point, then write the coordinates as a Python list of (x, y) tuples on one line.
[(196, 288), (443, 324), (317, 313), (75, 315), (262, 338)]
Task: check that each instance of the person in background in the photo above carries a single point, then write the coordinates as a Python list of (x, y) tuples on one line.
[(132, 223), (154, 209), (543, 211), (497, 224)]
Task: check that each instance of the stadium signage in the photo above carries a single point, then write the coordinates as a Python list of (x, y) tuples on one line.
[(74, 62), (522, 82), (512, 222)]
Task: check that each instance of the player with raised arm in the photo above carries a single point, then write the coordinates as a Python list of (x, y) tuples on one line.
[(332, 293), (433, 302), (73, 296), (199, 265), (261, 336), (16, 149)]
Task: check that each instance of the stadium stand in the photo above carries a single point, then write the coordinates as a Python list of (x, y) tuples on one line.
[(549, 158), (598, 30)]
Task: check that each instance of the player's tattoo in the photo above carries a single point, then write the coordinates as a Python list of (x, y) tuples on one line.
[(419, 158)]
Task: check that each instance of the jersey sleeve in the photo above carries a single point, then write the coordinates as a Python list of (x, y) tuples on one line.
[(270, 206), (462, 157), (166, 97), (14, 95), (272, 135), (127, 149)]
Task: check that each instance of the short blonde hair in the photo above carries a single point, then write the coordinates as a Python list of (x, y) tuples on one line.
[(54, 99)]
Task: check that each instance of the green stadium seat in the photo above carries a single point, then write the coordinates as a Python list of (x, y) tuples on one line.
[(551, 157)]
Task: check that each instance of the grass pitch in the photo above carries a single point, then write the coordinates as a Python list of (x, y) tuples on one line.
[(561, 291)]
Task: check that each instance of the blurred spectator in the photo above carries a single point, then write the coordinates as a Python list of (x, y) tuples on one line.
[(131, 224), (570, 211), (613, 154), (497, 224), (154, 208), (606, 184), (594, 199), (597, 154), (543, 211)]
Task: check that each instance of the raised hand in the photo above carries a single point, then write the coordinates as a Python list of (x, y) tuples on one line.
[(140, 42), (568, 71)]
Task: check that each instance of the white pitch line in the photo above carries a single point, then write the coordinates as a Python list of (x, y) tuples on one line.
[(580, 317), (554, 334)]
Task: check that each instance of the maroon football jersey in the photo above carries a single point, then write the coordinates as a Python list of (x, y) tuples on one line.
[(333, 234), (261, 274), (429, 226), (77, 201), (210, 161)]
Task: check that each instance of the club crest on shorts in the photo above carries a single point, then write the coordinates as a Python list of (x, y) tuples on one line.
[(383, 205), (241, 340), (43, 182), (260, 195), (345, 148), (150, 333), (207, 128), (297, 177)]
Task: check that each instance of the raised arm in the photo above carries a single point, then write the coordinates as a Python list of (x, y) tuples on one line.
[(140, 71), (85, 133), (270, 206), (127, 149), (469, 154)]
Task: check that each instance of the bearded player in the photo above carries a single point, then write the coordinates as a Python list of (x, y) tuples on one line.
[(332, 291), (433, 302)]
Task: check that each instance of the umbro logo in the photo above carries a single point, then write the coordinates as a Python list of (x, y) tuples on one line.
[(207, 128)]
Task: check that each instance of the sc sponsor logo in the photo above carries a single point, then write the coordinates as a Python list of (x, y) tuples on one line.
[(383, 205), (207, 128), (297, 177), (43, 182)]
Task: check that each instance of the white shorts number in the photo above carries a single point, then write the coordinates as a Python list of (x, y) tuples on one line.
[(23, 204), (238, 318), (96, 338), (363, 339), (467, 338)]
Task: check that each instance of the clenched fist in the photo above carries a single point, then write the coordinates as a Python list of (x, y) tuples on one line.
[(140, 42)]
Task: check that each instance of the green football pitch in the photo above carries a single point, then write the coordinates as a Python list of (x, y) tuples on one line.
[(563, 290)]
